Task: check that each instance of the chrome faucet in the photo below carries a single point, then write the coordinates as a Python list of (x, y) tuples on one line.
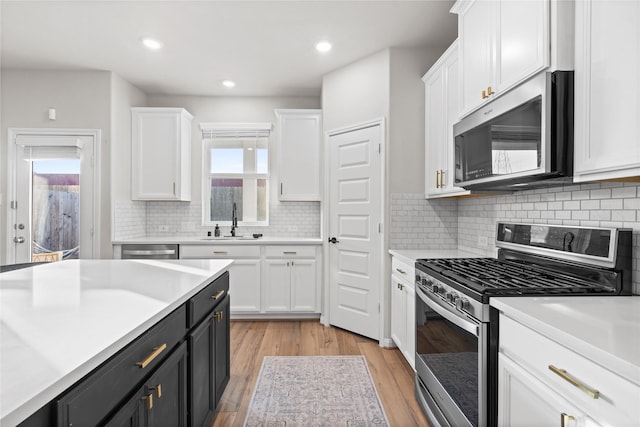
[(234, 220)]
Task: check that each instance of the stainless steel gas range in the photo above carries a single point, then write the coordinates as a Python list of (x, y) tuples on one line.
[(456, 329)]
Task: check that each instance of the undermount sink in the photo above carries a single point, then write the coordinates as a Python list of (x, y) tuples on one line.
[(229, 238)]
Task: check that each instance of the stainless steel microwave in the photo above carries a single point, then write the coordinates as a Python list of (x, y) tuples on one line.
[(523, 139)]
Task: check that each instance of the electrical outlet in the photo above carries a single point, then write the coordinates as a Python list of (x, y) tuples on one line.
[(163, 228), (188, 226), (483, 241)]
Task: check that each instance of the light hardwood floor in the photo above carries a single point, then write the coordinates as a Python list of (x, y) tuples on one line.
[(251, 341)]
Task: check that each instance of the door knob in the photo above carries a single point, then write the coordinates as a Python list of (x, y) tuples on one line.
[(18, 239), (333, 240)]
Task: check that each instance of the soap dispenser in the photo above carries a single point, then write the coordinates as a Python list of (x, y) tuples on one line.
[(216, 231)]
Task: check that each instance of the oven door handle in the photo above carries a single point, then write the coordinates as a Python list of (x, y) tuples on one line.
[(471, 327)]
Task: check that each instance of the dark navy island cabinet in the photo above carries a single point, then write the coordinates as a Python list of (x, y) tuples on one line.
[(173, 375)]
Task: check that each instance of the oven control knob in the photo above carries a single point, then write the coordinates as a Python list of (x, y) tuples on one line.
[(452, 298), (436, 289), (462, 304)]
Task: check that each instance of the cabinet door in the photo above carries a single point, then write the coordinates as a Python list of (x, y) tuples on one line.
[(168, 386), (523, 41), (477, 27), (277, 285), (523, 400), (202, 372), (607, 90), (244, 285), (131, 414), (398, 320), (303, 285), (410, 322), (435, 130), (222, 357), (161, 150), (299, 136)]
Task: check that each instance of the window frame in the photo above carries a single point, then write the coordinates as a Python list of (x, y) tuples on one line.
[(241, 131)]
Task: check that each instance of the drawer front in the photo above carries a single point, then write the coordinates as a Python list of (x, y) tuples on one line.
[(617, 403), (290, 252), (402, 270), (205, 301), (90, 401), (219, 251)]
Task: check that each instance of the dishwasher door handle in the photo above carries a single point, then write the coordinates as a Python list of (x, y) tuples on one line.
[(149, 252)]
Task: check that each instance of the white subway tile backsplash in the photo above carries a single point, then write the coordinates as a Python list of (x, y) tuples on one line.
[(590, 204), (417, 223), (624, 191), (136, 219)]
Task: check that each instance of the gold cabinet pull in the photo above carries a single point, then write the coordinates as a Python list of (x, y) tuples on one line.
[(289, 252), (490, 92), (148, 400), (401, 271), (564, 419), (438, 178), (218, 295), (441, 178), (156, 352), (565, 376), (400, 286), (219, 315), (220, 252), (484, 95), (158, 390)]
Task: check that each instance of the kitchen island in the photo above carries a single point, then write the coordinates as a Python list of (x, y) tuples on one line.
[(61, 321)]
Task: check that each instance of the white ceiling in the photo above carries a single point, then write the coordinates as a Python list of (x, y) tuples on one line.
[(267, 47)]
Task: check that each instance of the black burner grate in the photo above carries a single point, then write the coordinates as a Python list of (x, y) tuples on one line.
[(490, 276)]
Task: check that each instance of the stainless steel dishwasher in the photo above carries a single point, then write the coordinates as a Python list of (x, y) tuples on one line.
[(149, 251)]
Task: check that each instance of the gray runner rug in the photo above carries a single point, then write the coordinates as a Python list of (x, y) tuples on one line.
[(314, 391)]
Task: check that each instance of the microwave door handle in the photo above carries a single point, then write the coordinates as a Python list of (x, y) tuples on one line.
[(470, 327)]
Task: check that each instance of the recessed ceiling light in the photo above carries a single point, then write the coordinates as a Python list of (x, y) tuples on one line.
[(228, 83), (323, 46), (152, 44)]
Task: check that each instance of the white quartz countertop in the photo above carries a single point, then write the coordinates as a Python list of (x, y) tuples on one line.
[(409, 256), (203, 240), (59, 321), (603, 329)]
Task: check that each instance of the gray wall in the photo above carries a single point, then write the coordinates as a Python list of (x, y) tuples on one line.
[(81, 99), (123, 96), (356, 93)]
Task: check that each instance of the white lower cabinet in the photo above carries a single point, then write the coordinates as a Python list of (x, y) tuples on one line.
[(244, 286), (526, 401), (244, 273), (544, 383), (403, 309), (278, 279), (291, 279)]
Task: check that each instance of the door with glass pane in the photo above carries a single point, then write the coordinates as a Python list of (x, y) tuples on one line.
[(53, 198)]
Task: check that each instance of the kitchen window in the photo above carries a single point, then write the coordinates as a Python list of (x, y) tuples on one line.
[(236, 171)]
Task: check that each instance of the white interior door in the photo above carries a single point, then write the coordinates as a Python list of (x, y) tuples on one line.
[(355, 214), (53, 200)]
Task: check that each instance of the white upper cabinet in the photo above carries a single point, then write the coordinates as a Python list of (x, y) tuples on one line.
[(299, 148), (502, 43), (161, 154), (441, 112), (522, 47), (607, 90)]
